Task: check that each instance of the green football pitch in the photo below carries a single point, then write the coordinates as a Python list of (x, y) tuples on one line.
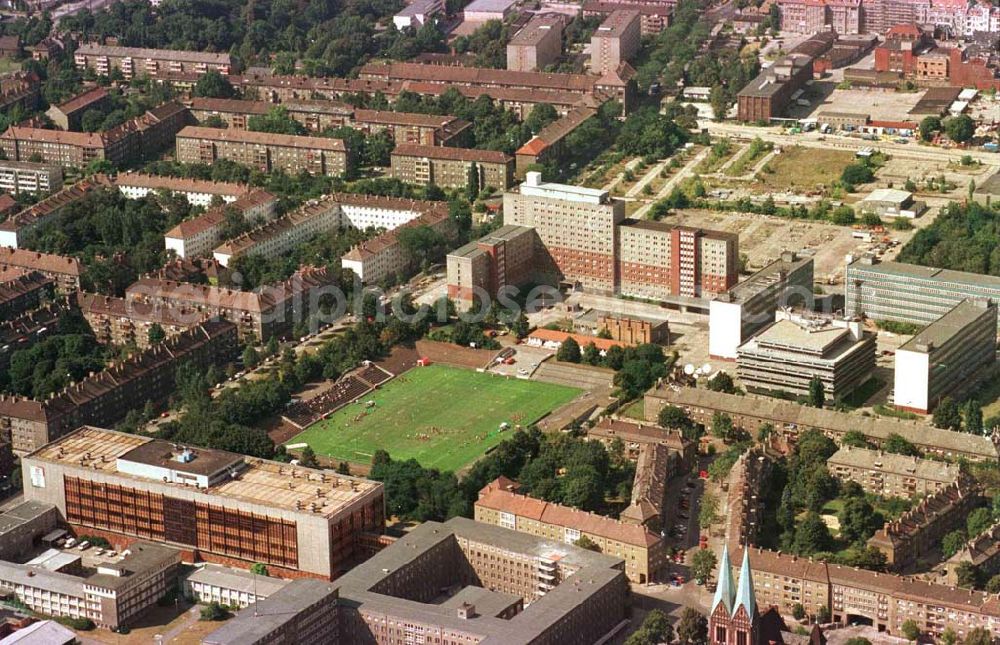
[(444, 417)]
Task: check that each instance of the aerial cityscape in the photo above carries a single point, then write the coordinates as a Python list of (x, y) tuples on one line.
[(499, 322)]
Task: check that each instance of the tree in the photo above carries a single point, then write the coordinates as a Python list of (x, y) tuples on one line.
[(308, 458), (472, 187), (272, 346), (871, 220), (953, 542), (856, 173), (910, 630), (900, 445), (708, 514), (972, 416), (156, 335), (843, 215), (520, 326), (722, 426), (993, 584), (591, 355), (947, 414), (585, 542), (259, 569), (692, 629), (214, 611), (978, 521), (722, 382), (719, 100), (960, 128), (928, 128), (275, 121), (703, 563), (213, 85), (817, 394), (823, 614), (343, 468), (655, 629), (858, 520), (798, 611), (569, 351), (251, 358), (948, 636), (855, 439), (540, 116), (967, 575), (812, 535), (978, 636)]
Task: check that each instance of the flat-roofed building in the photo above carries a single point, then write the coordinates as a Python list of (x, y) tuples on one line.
[(24, 176), (891, 202), (114, 596), (735, 315), (911, 293), (230, 508), (417, 13), (750, 412), (22, 526), (263, 151), (230, 587), (945, 355), (483, 10), (615, 41), (305, 612), (139, 61), (482, 267), (198, 236), (536, 45), (634, 330), (641, 549), (68, 115), (891, 475), (577, 228), (452, 167), (799, 347), (653, 17), (105, 397)]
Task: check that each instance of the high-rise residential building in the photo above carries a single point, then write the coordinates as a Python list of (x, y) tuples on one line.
[(615, 41), (653, 17), (229, 508), (137, 61), (262, 150), (536, 45), (577, 228), (798, 348), (943, 357), (735, 315), (911, 293), (483, 267)]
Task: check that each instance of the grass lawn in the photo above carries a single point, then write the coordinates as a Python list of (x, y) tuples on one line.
[(805, 168), (635, 410), (444, 417)]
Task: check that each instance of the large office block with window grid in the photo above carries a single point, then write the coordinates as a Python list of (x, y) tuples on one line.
[(223, 507)]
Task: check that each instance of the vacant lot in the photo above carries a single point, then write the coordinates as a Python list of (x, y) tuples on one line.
[(444, 417), (804, 169)]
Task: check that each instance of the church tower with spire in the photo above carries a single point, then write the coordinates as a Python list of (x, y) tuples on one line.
[(734, 619)]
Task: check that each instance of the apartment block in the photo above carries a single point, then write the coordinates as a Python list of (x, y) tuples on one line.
[(68, 115), (653, 17), (750, 412), (890, 475), (273, 310), (501, 587), (230, 509), (735, 315), (642, 550), (383, 257), (21, 89), (263, 151), (536, 45), (198, 236), (410, 128), (24, 176), (23, 293), (920, 530), (981, 551), (659, 260), (14, 229), (911, 293), (800, 347), (452, 167), (616, 41), (549, 144), (481, 268), (199, 192), (947, 355), (105, 397), (139, 62), (114, 596), (230, 587), (117, 322), (316, 116), (65, 271), (577, 228)]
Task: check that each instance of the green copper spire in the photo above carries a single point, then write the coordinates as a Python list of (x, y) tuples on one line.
[(724, 590), (744, 595)]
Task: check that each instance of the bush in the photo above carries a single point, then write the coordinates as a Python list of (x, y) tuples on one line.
[(79, 624)]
